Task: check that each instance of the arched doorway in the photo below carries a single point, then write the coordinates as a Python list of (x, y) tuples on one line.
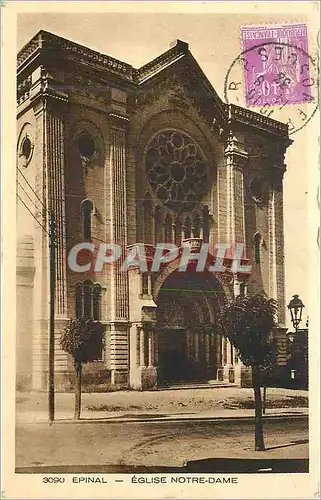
[(189, 345)]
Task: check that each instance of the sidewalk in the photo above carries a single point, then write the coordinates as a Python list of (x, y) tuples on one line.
[(170, 405)]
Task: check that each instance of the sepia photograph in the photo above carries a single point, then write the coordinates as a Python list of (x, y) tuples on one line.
[(165, 182)]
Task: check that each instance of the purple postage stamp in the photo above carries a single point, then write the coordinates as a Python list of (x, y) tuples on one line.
[(276, 65)]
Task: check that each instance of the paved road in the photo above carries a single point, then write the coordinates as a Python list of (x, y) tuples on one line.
[(154, 443)]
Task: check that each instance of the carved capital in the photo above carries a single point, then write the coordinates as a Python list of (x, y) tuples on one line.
[(118, 121), (45, 91)]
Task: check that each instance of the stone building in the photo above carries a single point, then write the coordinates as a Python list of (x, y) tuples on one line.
[(150, 155)]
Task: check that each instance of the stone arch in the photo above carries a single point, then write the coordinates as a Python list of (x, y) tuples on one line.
[(163, 274)]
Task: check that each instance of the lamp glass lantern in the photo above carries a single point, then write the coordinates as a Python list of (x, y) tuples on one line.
[(296, 307)]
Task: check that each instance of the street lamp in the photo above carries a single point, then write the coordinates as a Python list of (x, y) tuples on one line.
[(296, 306)]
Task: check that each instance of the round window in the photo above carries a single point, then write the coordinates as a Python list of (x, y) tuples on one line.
[(26, 148), (86, 146), (176, 170), (256, 189)]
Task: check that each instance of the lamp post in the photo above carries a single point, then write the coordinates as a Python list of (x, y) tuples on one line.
[(298, 342), (296, 307)]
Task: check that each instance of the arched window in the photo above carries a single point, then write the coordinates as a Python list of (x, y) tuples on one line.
[(148, 219), (86, 208), (145, 284), (188, 228), (196, 227), (168, 229), (79, 300), (206, 225), (96, 302), (257, 247), (158, 226), (178, 232), (88, 300)]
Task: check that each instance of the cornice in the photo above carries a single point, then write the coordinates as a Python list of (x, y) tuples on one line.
[(45, 42), (221, 115), (161, 62), (247, 117)]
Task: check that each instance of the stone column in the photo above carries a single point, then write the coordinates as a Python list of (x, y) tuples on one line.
[(148, 369), (119, 355), (237, 286), (219, 355), (155, 348), (207, 349), (196, 346), (150, 348), (187, 344), (142, 347)]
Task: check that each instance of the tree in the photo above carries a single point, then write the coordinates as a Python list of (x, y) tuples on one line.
[(84, 340), (249, 323)]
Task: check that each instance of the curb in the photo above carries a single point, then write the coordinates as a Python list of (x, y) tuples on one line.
[(250, 418)]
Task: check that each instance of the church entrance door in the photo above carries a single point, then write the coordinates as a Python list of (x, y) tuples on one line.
[(186, 330), (172, 360)]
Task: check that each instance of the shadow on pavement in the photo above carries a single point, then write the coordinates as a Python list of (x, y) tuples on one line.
[(207, 465), (253, 465), (293, 443)]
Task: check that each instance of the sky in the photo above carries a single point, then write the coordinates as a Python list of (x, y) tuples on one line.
[(214, 41)]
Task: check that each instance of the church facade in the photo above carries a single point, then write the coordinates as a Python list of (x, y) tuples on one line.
[(135, 158)]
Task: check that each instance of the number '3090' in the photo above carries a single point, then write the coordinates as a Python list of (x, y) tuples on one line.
[(53, 479)]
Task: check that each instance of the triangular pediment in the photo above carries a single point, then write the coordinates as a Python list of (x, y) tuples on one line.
[(177, 73)]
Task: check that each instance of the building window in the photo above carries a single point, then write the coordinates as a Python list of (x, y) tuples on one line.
[(206, 225), (176, 170), (86, 208), (158, 225), (178, 232), (88, 300), (145, 284), (188, 228), (86, 146), (168, 229), (257, 246), (197, 227), (25, 150), (256, 190), (96, 302), (148, 219), (79, 302)]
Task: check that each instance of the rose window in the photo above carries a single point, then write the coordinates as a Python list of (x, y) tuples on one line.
[(176, 170)]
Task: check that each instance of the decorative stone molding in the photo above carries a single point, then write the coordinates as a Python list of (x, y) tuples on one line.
[(49, 44), (242, 115), (161, 62), (23, 89)]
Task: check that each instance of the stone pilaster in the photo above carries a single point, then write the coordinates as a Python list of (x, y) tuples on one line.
[(49, 109), (276, 242), (236, 161), (119, 355)]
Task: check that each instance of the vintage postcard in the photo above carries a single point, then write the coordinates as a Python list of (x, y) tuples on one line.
[(160, 271)]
